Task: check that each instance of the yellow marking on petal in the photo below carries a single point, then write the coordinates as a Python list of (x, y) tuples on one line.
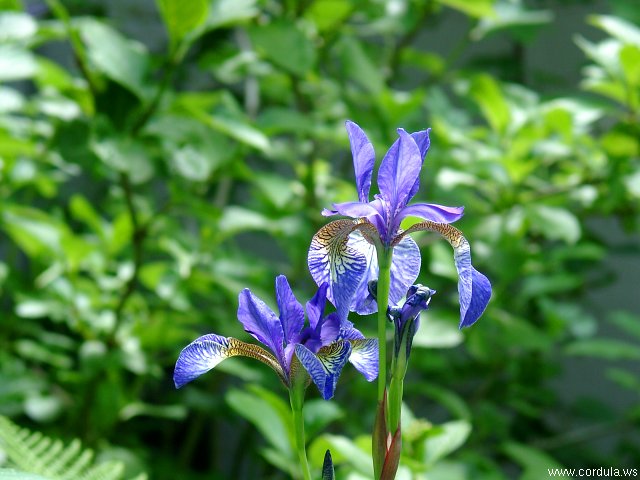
[(239, 348), (449, 233)]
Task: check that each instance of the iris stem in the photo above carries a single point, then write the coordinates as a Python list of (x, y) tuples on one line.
[(385, 255), (296, 397)]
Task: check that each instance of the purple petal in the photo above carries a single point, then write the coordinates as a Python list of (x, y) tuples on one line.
[(473, 287), (332, 261), (399, 170), (405, 267), (349, 332), (315, 306), (260, 321), (206, 352), (364, 357), (363, 159), (329, 328), (430, 211), (422, 140), (324, 368), (353, 210), (291, 312)]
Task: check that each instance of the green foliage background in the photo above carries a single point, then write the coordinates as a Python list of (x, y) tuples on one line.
[(155, 159)]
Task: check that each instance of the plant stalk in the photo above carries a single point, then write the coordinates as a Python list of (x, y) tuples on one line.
[(296, 397)]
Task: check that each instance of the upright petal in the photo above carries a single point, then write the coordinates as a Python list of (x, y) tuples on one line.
[(422, 140), (260, 321), (325, 367), (474, 288), (334, 262), (363, 159), (206, 352), (291, 312), (315, 306), (399, 170)]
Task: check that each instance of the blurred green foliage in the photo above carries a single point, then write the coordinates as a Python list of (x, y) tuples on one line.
[(145, 182)]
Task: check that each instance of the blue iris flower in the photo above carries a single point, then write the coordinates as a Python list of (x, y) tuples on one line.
[(322, 348), (343, 252)]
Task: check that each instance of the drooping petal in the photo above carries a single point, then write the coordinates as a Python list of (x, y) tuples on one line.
[(332, 261), (364, 357), (474, 288), (206, 352), (399, 170), (422, 140), (430, 211), (260, 321), (325, 366), (291, 312), (363, 159), (315, 306)]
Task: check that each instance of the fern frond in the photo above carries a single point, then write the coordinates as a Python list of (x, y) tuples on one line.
[(35, 453)]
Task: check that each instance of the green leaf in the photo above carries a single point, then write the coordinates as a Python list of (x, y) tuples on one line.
[(9, 474), (534, 462), (477, 8), (124, 154), (358, 67), (124, 61), (16, 63), (285, 45), (192, 164), (181, 18), (16, 26), (437, 332), (228, 12), (605, 348), (264, 416), (630, 61), (618, 28), (444, 439), (512, 16), (343, 450), (554, 223), (486, 92), (327, 14), (627, 322)]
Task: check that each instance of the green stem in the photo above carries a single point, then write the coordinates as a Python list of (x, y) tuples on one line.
[(296, 396), (384, 280)]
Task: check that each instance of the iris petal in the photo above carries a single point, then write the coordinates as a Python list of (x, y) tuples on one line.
[(206, 352), (324, 368), (291, 312), (332, 261), (431, 211), (363, 159), (260, 321), (364, 357), (422, 140), (474, 288), (399, 170)]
